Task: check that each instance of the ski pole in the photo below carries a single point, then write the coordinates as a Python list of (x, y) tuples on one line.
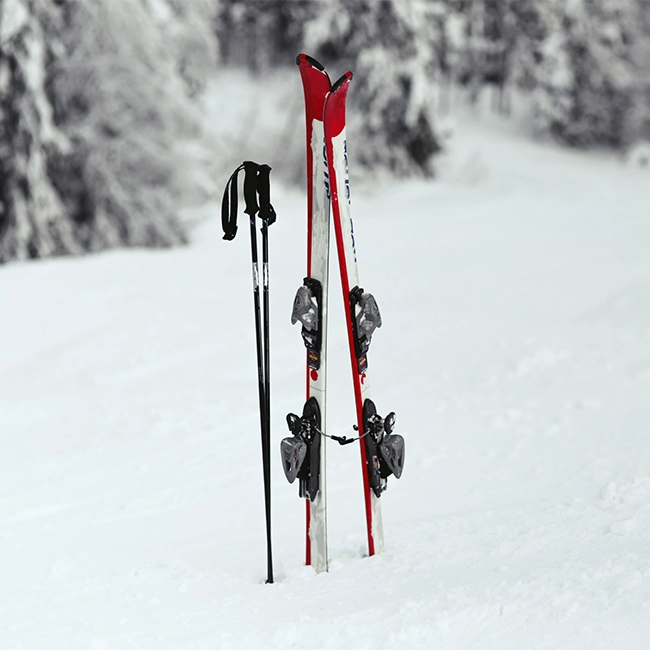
[(256, 183), (267, 214)]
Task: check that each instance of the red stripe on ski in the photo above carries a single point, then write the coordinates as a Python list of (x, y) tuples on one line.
[(308, 521)]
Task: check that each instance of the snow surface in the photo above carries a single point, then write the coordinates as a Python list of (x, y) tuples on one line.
[(515, 294)]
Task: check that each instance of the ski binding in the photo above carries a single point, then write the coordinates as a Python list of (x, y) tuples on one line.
[(384, 449), (301, 453), (307, 310), (366, 319)]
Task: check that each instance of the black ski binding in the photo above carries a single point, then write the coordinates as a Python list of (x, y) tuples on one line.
[(301, 453), (384, 449), (307, 309), (365, 320)]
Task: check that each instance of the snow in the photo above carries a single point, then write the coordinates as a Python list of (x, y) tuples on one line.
[(515, 295)]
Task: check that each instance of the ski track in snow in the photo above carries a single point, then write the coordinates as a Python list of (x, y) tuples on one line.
[(515, 294)]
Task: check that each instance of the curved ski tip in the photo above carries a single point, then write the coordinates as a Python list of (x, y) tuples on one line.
[(341, 80), (311, 61)]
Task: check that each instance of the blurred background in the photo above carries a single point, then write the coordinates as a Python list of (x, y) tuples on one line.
[(116, 116)]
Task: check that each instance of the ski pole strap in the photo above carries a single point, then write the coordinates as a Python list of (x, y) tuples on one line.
[(229, 206), (257, 196)]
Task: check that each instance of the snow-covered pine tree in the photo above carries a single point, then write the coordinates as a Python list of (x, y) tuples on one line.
[(33, 218), (495, 46), (640, 120), (529, 30), (92, 109), (446, 26), (469, 45), (388, 46), (586, 83), (585, 62), (188, 26), (261, 34)]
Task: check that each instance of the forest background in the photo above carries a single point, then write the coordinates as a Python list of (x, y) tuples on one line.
[(101, 101)]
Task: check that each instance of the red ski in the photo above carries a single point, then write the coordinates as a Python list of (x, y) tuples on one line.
[(304, 454)]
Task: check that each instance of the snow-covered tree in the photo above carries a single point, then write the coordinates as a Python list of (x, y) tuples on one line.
[(93, 98), (188, 26), (260, 34), (495, 44), (584, 61), (640, 119), (388, 46), (586, 84), (33, 219)]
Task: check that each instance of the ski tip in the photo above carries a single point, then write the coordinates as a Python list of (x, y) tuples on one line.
[(305, 58), (316, 86), (341, 80), (334, 116)]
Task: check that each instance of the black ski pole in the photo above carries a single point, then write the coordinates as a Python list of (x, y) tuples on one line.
[(252, 208), (267, 214), (256, 182)]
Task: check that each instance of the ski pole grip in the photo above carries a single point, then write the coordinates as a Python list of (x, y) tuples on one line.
[(250, 188), (257, 184), (267, 213)]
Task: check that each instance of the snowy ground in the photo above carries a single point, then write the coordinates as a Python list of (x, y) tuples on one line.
[(515, 292)]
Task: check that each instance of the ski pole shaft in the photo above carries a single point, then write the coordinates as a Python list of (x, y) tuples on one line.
[(263, 396), (266, 448)]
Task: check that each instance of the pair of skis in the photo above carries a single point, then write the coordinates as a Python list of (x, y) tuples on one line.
[(303, 454)]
